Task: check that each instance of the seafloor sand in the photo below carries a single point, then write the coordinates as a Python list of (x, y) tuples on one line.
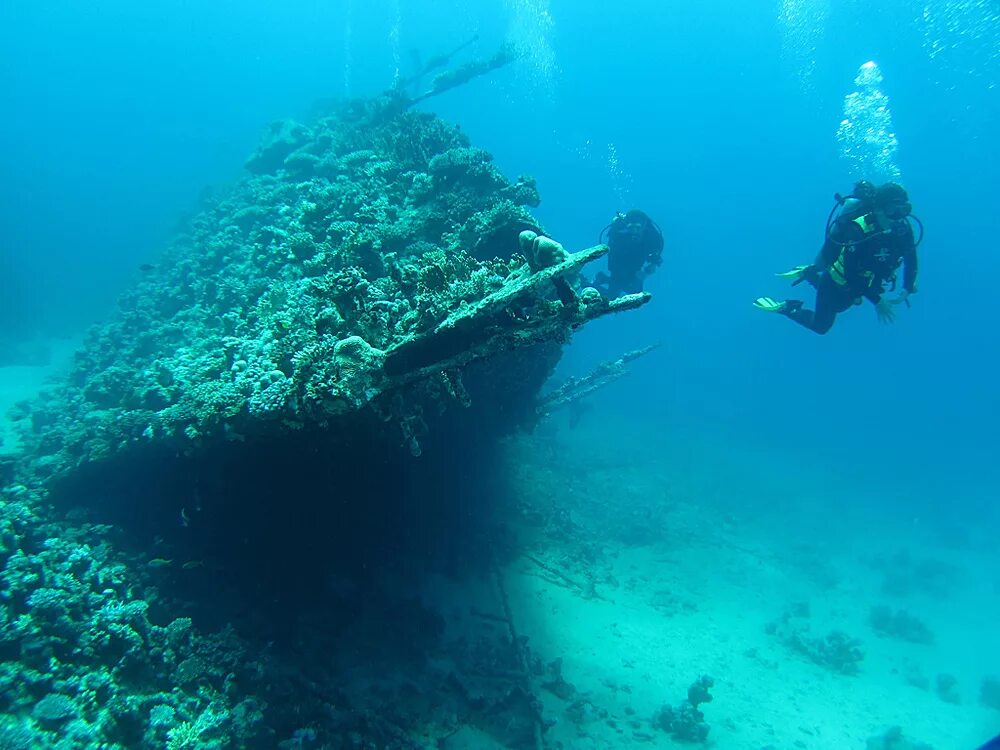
[(695, 598), (23, 382)]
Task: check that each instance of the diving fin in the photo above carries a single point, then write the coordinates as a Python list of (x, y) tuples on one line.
[(795, 273), (799, 274), (768, 304)]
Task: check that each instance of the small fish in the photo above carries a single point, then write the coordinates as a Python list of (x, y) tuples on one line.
[(147, 267), (159, 562), (185, 521), (192, 564)]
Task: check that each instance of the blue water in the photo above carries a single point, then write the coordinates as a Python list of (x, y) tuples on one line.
[(718, 119), (119, 116)]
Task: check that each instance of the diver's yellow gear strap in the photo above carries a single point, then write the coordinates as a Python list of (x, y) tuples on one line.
[(839, 275), (837, 272), (866, 226)]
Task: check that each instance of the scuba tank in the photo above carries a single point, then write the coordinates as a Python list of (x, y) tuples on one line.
[(861, 202)]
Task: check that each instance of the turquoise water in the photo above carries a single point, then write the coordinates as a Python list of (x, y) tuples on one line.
[(768, 472)]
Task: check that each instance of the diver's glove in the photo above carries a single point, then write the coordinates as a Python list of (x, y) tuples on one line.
[(799, 274)]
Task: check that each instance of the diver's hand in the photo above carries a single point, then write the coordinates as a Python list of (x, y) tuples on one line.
[(884, 310)]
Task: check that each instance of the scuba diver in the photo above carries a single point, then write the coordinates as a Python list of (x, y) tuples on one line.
[(865, 245), (635, 245)]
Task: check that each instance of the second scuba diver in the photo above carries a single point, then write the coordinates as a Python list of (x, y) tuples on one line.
[(865, 245), (635, 249)]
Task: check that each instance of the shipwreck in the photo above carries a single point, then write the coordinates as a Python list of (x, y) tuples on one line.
[(304, 395)]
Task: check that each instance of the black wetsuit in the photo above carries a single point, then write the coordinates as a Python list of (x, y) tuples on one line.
[(628, 255), (858, 261)]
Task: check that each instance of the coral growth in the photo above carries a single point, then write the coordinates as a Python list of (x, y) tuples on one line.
[(352, 234), (81, 659), (989, 692), (835, 651), (899, 624), (946, 686), (684, 722), (894, 739), (335, 296)]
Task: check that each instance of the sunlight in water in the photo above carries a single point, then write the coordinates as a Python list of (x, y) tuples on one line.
[(866, 135)]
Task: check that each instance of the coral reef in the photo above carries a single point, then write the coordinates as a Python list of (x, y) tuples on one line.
[(989, 693), (253, 410), (946, 686), (308, 290), (684, 722), (82, 659), (899, 624), (835, 651), (904, 575), (893, 739)]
